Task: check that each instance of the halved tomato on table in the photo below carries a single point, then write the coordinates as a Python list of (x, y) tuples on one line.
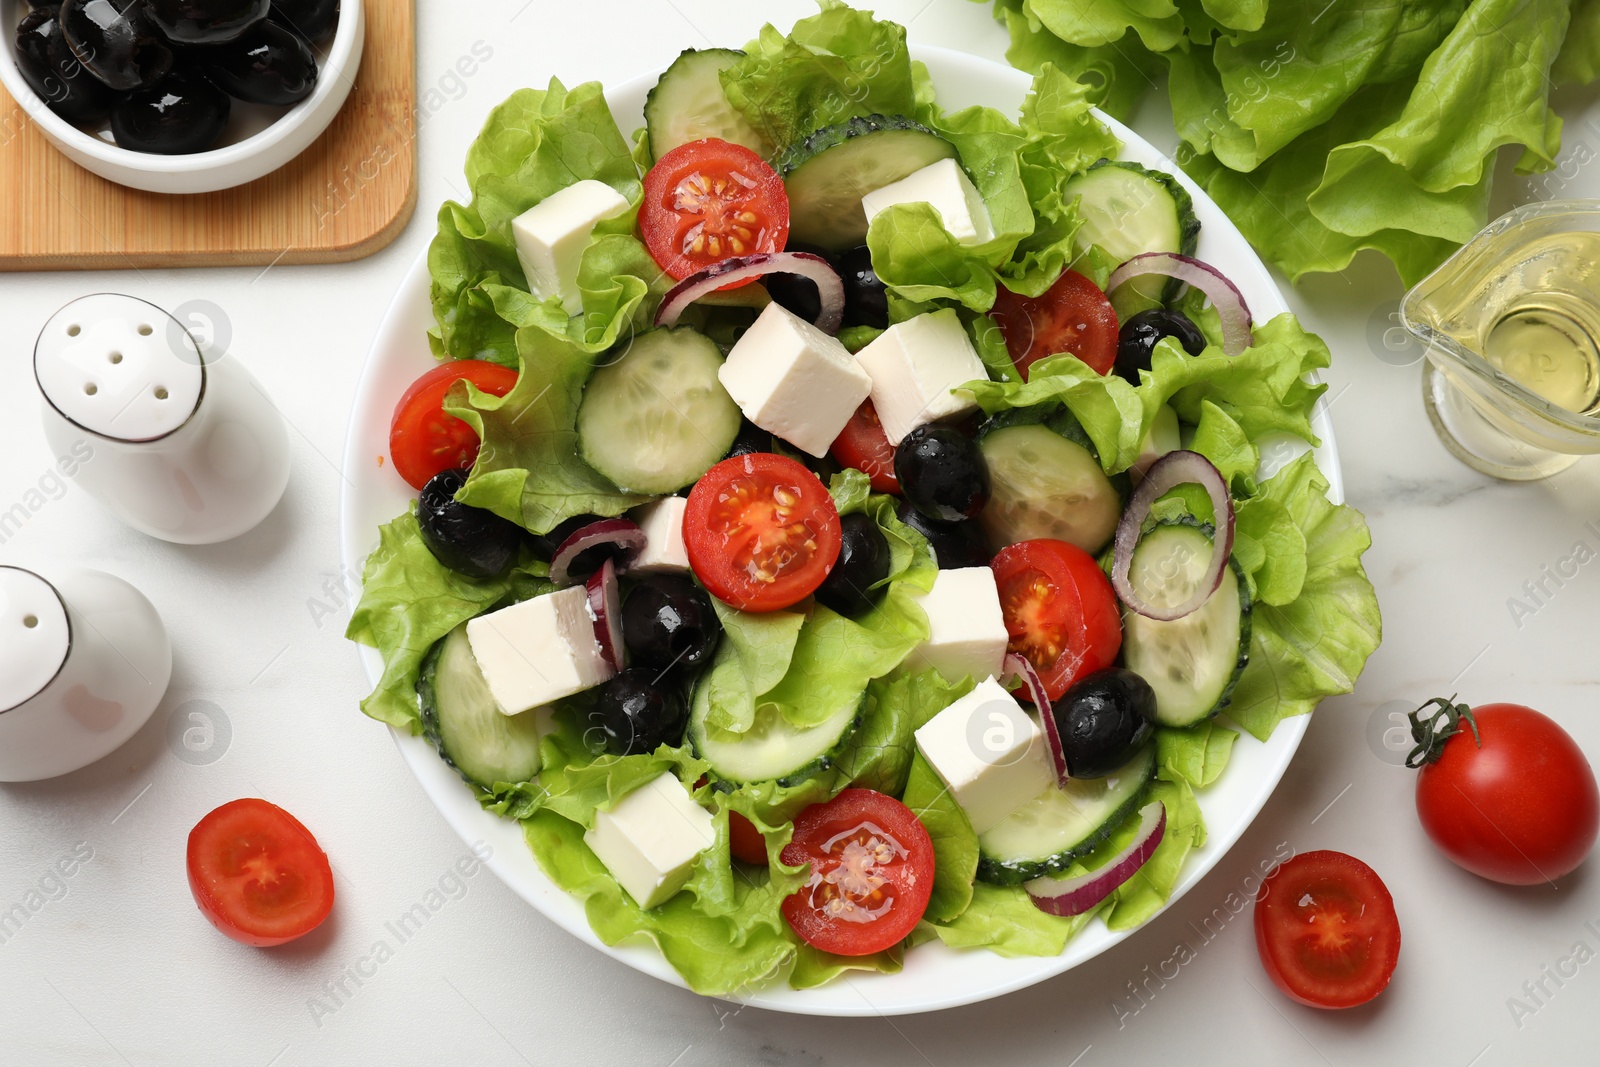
[(423, 440), (761, 531), (1060, 610), (1073, 315), (257, 874), (708, 200), (862, 444), (1326, 930), (871, 873)]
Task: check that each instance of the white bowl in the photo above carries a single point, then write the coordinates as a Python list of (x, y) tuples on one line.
[(259, 140)]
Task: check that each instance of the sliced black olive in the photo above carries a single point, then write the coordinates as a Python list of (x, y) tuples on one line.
[(116, 42), (1104, 719), (180, 114), (752, 438), (794, 293), (52, 71), (863, 562), (668, 623), (942, 473), (206, 21), (638, 714), (266, 65), (468, 540), (311, 19), (954, 544), (866, 301), (1136, 341)]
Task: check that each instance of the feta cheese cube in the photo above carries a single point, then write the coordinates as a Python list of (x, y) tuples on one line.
[(791, 379), (552, 235), (649, 841), (968, 631), (945, 186), (915, 365), (662, 523), (538, 650), (989, 752)]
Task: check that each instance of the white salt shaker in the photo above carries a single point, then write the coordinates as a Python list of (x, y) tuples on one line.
[(84, 661), (182, 445)]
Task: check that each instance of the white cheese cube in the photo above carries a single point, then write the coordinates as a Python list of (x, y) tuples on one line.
[(945, 186), (552, 235), (915, 365), (662, 523), (538, 650), (989, 752), (649, 841), (968, 631), (791, 379)]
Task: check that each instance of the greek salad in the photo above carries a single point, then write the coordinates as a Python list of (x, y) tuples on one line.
[(841, 522)]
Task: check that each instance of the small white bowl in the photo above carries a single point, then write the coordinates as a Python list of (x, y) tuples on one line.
[(256, 147)]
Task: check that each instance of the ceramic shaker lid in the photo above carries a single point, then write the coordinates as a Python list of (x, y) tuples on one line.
[(34, 636)]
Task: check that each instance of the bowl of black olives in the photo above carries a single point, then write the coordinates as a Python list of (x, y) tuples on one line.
[(181, 96)]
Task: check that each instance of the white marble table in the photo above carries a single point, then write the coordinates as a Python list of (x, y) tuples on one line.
[(117, 967)]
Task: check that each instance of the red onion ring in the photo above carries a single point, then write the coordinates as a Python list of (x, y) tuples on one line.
[(740, 268), (619, 532), (1224, 295), (1018, 666), (605, 604), (1173, 469), (1074, 896)]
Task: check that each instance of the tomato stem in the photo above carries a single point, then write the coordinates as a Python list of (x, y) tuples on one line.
[(1432, 732)]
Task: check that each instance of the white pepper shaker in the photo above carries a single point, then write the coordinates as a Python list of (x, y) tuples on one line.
[(182, 445)]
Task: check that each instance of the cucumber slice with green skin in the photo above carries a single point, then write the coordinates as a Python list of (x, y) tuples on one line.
[(461, 719), (1194, 662), (828, 173), (657, 419), (1128, 209), (1064, 822), (688, 104), (1043, 484), (772, 749)]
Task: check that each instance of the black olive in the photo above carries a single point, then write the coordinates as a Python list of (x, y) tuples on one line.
[(180, 114), (866, 301), (1136, 341), (52, 71), (206, 21), (751, 439), (266, 65), (311, 19), (468, 540), (863, 562), (639, 714), (116, 42), (668, 623), (1104, 719), (794, 293), (942, 473), (954, 544)]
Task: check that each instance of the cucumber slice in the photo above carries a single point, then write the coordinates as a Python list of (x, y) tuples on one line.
[(1194, 662), (772, 749), (1044, 485), (1128, 209), (688, 104), (828, 173), (1046, 834), (460, 718), (657, 419)]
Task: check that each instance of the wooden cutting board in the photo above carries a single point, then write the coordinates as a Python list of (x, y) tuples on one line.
[(348, 195)]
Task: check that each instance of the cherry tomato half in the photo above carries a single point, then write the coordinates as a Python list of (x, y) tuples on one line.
[(1059, 609), (1521, 809), (862, 444), (423, 440), (708, 200), (746, 841), (871, 873), (761, 531), (1073, 315), (258, 874), (1326, 930)]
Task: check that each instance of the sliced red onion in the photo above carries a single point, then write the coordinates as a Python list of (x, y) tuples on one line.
[(1224, 295), (1173, 469), (1074, 896), (623, 535), (605, 604), (741, 268), (1020, 667)]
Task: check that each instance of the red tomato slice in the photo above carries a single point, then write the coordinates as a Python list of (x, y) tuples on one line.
[(1060, 610), (258, 874), (423, 440), (761, 531), (708, 200), (862, 444), (746, 841), (1073, 315), (871, 873), (1326, 930)]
